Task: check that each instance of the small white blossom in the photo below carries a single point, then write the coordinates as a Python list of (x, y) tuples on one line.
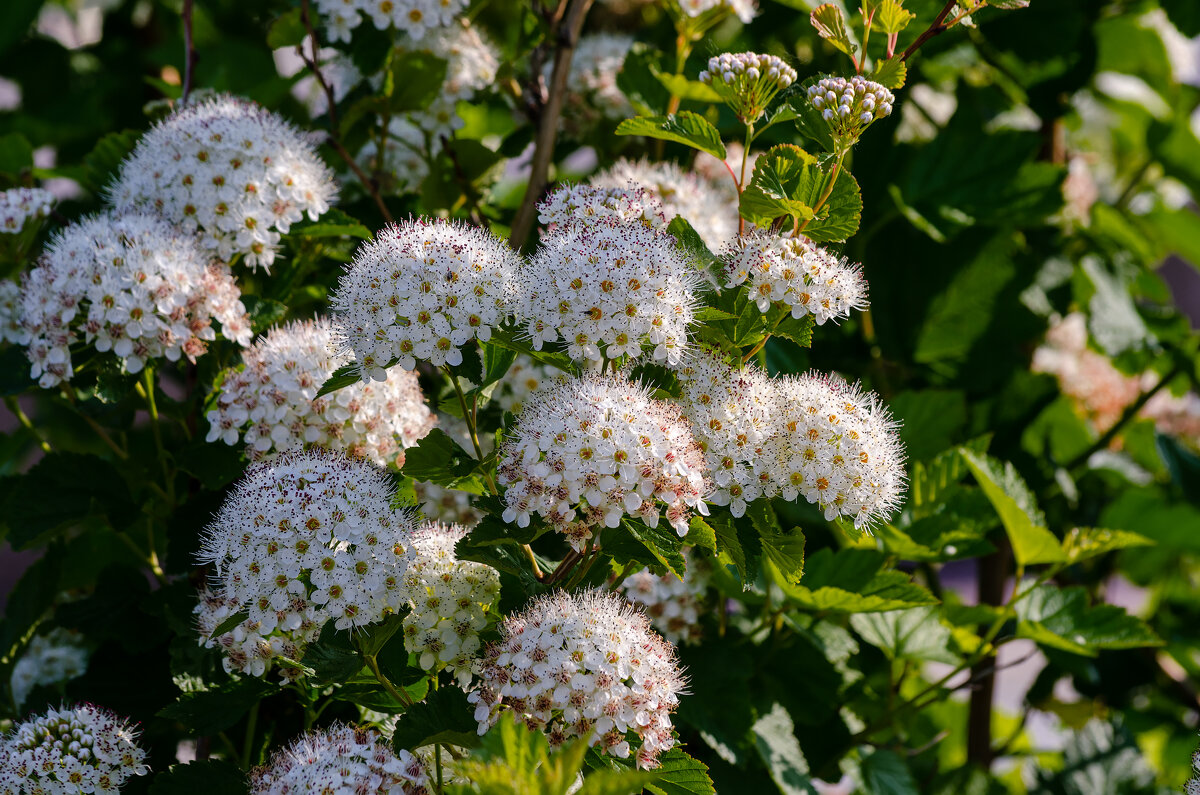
[(11, 328), (587, 452), (797, 274), (747, 81), (70, 750), (849, 106), (229, 170), (710, 206), (584, 665), (341, 759), (131, 284), (303, 539), (671, 604), (450, 599), (50, 659), (568, 204), (20, 206), (421, 290), (609, 288), (273, 401), (417, 18)]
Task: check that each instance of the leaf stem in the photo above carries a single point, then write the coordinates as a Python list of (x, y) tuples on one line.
[(392, 690), (469, 416), (189, 52), (15, 408), (248, 742)]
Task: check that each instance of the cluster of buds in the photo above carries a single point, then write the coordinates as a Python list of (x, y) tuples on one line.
[(849, 106), (345, 759), (68, 751), (583, 665), (747, 81)]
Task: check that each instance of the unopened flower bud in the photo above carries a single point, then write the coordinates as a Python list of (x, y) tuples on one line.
[(748, 81)]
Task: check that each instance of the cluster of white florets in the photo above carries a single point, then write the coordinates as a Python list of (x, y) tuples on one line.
[(250, 647), (19, 206), (609, 288), (583, 665), (524, 377), (710, 206), (304, 539), (68, 751), (414, 17), (130, 284), (450, 600), (592, 90), (569, 204), (747, 81), (449, 506), (340, 759), (849, 106), (797, 274), (471, 66), (273, 401), (671, 604), (837, 446), (229, 170), (11, 328), (587, 452), (743, 9), (421, 290), (731, 415), (58, 656)]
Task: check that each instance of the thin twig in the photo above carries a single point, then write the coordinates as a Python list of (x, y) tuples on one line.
[(189, 55), (543, 150), (1130, 412), (934, 29)]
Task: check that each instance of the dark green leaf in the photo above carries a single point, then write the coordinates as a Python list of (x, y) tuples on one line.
[(53, 494), (680, 774), (287, 30), (16, 153), (333, 658), (210, 776), (334, 223), (438, 459), (443, 717), (885, 773), (207, 712), (102, 163), (230, 623), (342, 377), (663, 543), (1061, 619), (914, 634), (16, 16)]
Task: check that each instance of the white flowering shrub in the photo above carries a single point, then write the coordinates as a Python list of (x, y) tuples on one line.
[(271, 402), (85, 748), (341, 758)]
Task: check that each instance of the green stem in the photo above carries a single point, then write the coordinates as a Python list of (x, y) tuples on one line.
[(248, 743), (469, 415), (145, 388), (762, 343), (392, 690), (150, 560), (741, 184), (630, 567), (537, 570), (15, 408)]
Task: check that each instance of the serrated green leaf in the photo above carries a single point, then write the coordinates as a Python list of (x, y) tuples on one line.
[(443, 717), (683, 88), (663, 543), (438, 459), (701, 534), (798, 330), (777, 746), (332, 658), (830, 25), (891, 17), (1082, 543), (1061, 618), (784, 549), (914, 634), (781, 175), (885, 773), (891, 73), (729, 548), (686, 128), (680, 774), (1013, 501), (344, 376)]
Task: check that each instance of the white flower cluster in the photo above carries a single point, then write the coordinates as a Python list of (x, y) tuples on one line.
[(450, 599), (524, 377), (229, 170), (747, 81), (421, 290), (569, 204), (710, 206), (131, 284), (250, 647), (671, 604), (745, 10), (471, 66), (341, 759), (849, 106), (304, 539), (414, 17), (592, 91), (19, 206), (731, 415), (55, 657), (798, 274), (583, 665), (449, 506), (68, 751), (273, 400), (11, 328), (608, 288), (587, 452)]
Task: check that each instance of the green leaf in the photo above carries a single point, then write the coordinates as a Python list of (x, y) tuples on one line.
[(914, 634), (663, 543), (230, 623), (443, 717), (798, 330), (263, 312), (1082, 543), (850, 581), (16, 16), (931, 420), (334, 223), (496, 361), (287, 30), (638, 81), (831, 26), (781, 173), (838, 220), (214, 464), (1024, 523), (103, 162), (785, 550), (507, 338), (700, 534), (686, 128), (730, 550), (206, 712), (688, 239), (683, 88), (891, 17), (438, 459), (53, 494), (344, 376), (891, 73), (16, 154), (680, 774), (885, 773), (332, 658), (210, 776), (776, 743), (1061, 619)]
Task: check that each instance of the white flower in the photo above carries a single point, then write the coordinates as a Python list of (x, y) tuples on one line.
[(568, 204), (131, 284), (303, 539), (747, 81), (592, 91), (11, 329), (609, 288), (745, 10), (797, 274), (19, 206), (449, 506), (421, 290), (341, 759), (710, 206), (450, 600), (68, 751), (850, 106), (583, 665), (273, 401), (523, 379), (229, 170), (55, 657), (587, 452), (671, 604), (837, 446), (417, 18)]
